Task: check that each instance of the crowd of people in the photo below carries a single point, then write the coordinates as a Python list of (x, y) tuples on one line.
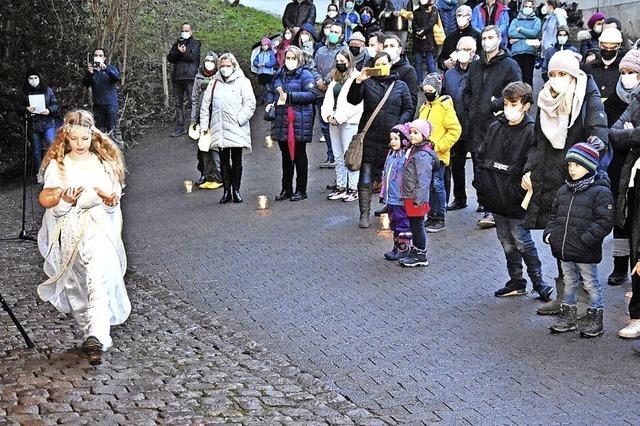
[(570, 170)]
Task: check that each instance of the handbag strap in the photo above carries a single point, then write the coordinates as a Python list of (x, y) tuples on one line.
[(378, 108)]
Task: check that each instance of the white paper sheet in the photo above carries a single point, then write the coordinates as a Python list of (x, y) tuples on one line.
[(37, 101)]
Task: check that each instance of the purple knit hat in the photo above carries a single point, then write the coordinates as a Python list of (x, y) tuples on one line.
[(266, 41), (631, 60), (423, 127), (598, 16), (403, 131)]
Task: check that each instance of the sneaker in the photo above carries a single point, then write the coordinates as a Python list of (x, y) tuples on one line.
[(632, 331), (210, 185), (487, 221), (351, 195), (628, 294), (428, 221), (322, 139), (337, 194), (512, 289), (544, 292), (179, 132), (436, 226), (415, 258), (328, 164), (457, 204)]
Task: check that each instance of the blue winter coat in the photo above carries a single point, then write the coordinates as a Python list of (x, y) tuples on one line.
[(43, 122), (480, 19), (392, 177), (447, 10), (530, 27), (453, 84), (268, 58), (300, 87), (104, 85)]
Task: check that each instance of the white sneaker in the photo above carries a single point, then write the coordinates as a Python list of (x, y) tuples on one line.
[(628, 294), (337, 194), (632, 331), (322, 139)]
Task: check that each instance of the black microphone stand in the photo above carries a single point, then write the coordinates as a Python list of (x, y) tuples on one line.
[(7, 309), (24, 235)]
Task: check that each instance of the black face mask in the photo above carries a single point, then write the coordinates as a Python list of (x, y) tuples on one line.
[(608, 54), (355, 51), (341, 67), (430, 96)]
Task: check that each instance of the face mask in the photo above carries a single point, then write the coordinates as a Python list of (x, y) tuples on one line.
[(512, 113), (333, 38), (430, 96), (185, 35), (304, 38), (98, 59), (527, 11), (372, 51), (608, 54), (544, 10), (462, 21), (562, 40), (365, 19), (291, 64), (355, 50), (628, 81), (332, 14), (392, 52), (226, 71), (34, 81), (490, 45), (348, 5), (287, 36), (342, 67), (209, 66), (424, 2), (464, 57), (560, 84), (597, 29)]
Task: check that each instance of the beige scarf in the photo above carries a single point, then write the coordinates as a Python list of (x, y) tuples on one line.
[(558, 114)]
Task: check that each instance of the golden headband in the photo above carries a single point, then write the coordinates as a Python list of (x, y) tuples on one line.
[(71, 127)]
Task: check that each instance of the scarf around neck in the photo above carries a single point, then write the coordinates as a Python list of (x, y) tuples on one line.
[(626, 95), (554, 123), (581, 184)]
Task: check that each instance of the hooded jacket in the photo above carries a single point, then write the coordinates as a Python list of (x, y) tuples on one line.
[(300, 87), (484, 81), (530, 27), (445, 127), (580, 221), (392, 177), (418, 171), (298, 13), (200, 84), (268, 59), (547, 165), (185, 65), (232, 105), (447, 10), (501, 161), (339, 107)]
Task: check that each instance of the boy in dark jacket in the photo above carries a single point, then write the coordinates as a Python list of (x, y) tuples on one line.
[(582, 216), (501, 163)]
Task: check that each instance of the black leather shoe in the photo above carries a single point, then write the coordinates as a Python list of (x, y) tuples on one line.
[(298, 196), (226, 197), (284, 195), (480, 209), (457, 205), (236, 196)]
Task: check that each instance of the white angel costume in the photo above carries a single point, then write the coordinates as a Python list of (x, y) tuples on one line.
[(83, 250)]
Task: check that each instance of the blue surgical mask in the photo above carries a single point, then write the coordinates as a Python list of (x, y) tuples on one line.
[(365, 19), (527, 11)]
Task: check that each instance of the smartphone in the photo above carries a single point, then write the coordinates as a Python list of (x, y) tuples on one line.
[(373, 72)]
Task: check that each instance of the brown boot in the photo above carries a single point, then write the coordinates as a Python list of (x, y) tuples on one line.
[(553, 307)]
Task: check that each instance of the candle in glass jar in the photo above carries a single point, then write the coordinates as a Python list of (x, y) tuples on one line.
[(384, 221), (268, 141), (188, 186), (262, 202)]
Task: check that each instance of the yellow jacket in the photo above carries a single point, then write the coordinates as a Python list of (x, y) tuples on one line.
[(446, 128)]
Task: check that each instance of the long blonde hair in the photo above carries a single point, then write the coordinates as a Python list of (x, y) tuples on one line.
[(105, 149)]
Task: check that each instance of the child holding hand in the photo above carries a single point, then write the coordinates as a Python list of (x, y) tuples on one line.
[(80, 237)]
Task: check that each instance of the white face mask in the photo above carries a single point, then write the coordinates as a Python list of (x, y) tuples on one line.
[(597, 29), (185, 35), (372, 51), (34, 81), (332, 14), (560, 84), (462, 21), (562, 40), (209, 66), (304, 38), (527, 11), (392, 52), (544, 10), (490, 46), (463, 56), (226, 71), (628, 81), (287, 36), (424, 2), (291, 64), (512, 113)]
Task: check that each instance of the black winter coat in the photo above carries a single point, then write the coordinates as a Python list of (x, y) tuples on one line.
[(548, 167), (422, 25), (614, 107), (397, 109), (42, 122), (501, 160), (185, 65), (605, 76), (484, 81), (300, 87), (451, 43), (296, 14), (580, 221), (407, 73)]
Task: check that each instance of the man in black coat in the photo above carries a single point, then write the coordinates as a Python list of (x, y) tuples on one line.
[(406, 72), (185, 57), (463, 21), (297, 13)]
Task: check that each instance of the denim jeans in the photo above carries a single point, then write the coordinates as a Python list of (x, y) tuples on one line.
[(418, 233), (37, 138), (438, 193), (422, 59), (340, 138), (518, 246), (324, 128), (106, 117), (589, 273)]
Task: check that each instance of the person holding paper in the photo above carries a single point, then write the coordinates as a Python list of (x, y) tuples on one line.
[(103, 79), (41, 103)]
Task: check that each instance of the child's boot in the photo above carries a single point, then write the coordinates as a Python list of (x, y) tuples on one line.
[(416, 257), (591, 324), (553, 307), (400, 248), (393, 254), (566, 320)]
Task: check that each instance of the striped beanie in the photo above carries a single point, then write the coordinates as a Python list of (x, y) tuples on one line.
[(586, 154)]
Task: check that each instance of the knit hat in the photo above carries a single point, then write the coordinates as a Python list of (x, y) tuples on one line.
[(563, 28), (631, 60), (357, 36), (423, 126), (266, 41), (403, 131), (464, 10), (610, 35), (598, 16), (566, 61), (434, 80), (586, 153)]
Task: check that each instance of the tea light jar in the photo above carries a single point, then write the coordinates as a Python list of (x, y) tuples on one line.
[(263, 204), (268, 141), (384, 221), (188, 186)]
